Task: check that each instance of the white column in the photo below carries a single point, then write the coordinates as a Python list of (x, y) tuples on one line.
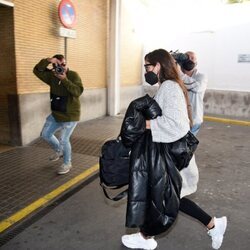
[(114, 59), (6, 3)]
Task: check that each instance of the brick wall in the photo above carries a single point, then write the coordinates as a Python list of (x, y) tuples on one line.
[(36, 29), (34, 35)]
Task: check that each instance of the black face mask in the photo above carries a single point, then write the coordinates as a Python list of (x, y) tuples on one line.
[(151, 78), (188, 65)]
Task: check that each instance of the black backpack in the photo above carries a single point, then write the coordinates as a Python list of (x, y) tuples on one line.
[(114, 167)]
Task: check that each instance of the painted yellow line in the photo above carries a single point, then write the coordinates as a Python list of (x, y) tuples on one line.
[(45, 199), (229, 121)]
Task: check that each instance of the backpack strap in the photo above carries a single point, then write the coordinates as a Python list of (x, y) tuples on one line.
[(119, 196)]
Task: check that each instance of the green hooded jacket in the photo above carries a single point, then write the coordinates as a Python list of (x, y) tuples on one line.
[(64, 95)]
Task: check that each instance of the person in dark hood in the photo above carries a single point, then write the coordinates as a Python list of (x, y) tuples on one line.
[(172, 125)]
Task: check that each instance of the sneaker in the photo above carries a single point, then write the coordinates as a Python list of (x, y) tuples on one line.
[(138, 241), (56, 156), (64, 168), (217, 233)]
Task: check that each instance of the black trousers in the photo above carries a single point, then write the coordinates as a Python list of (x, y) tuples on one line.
[(192, 209)]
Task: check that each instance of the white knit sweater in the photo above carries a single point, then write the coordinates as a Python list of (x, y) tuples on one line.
[(174, 122)]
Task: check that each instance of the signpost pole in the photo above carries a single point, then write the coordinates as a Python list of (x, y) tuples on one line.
[(67, 15), (65, 48)]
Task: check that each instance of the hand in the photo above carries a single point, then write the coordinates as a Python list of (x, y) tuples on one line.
[(148, 124), (61, 76), (53, 60)]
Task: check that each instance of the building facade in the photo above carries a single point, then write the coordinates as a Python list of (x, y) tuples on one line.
[(111, 38), (30, 31)]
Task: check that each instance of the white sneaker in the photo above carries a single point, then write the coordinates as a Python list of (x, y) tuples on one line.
[(138, 241), (217, 233), (56, 156), (64, 168)]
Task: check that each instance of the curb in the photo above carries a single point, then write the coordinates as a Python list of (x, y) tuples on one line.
[(225, 120)]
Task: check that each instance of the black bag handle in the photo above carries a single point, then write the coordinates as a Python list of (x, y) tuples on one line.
[(119, 196)]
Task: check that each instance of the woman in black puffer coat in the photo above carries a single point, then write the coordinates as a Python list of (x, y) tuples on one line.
[(155, 182)]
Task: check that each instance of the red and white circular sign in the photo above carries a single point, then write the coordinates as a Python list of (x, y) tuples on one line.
[(67, 13)]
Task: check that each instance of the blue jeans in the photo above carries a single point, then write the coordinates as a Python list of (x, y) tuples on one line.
[(195, 129), (63, 144)]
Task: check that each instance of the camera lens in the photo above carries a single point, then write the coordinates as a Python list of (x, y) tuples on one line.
[(59, 69)]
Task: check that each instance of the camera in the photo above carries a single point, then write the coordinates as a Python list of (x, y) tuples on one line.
[(58, 69), (180, 58), (183, 60)]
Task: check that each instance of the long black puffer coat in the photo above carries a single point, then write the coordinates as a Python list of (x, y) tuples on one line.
[(155, 182), (134, 122)]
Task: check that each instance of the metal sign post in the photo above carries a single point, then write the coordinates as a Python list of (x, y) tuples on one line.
[(67, 15)]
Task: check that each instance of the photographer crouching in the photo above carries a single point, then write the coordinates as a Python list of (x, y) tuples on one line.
[(196, 84), (65, 90)]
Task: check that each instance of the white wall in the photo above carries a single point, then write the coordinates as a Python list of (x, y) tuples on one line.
[(217, 32)]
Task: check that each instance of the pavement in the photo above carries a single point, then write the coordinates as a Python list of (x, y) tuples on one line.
[(41, 210)]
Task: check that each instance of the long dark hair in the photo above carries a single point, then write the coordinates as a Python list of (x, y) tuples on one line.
[(168, 71)]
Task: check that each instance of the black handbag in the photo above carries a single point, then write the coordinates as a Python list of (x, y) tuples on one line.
[(192, 143), (114, 167), (182, 150)]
